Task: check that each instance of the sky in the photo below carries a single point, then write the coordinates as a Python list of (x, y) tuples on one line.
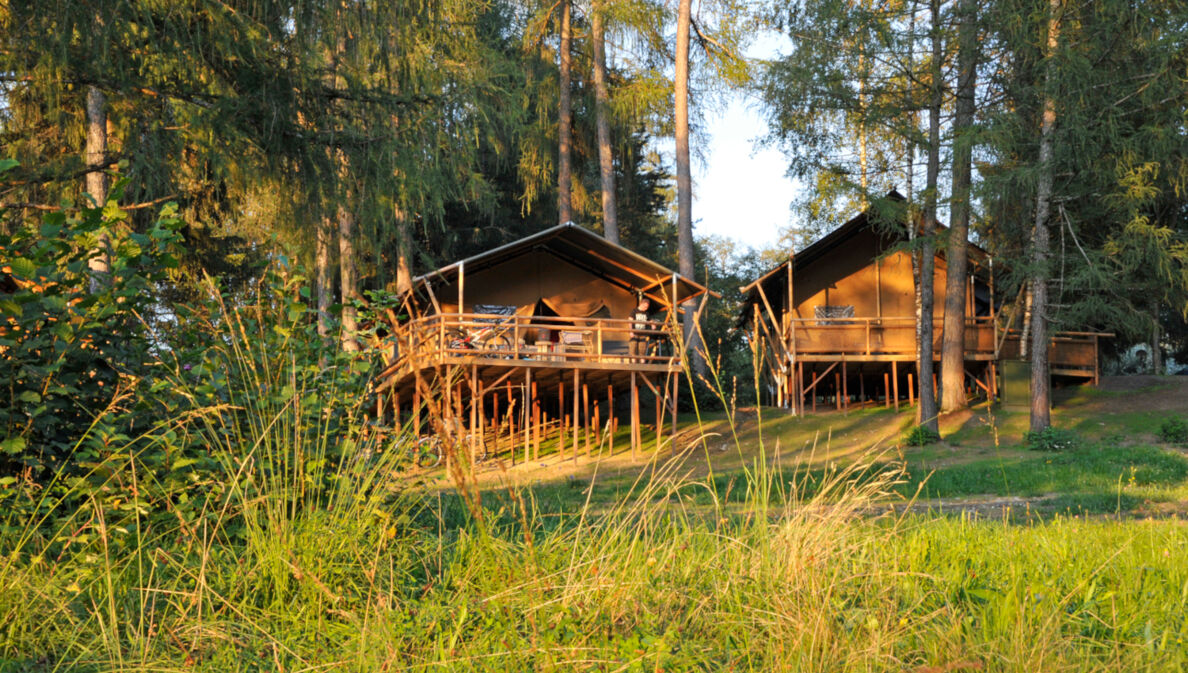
[(740, 190)]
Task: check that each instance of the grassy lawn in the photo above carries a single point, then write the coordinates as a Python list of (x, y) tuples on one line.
[(773, 551)]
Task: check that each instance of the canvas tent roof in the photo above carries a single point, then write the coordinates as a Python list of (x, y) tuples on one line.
[(579, 248), (819, 248)]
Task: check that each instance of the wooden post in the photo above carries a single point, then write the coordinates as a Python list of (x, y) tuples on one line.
[(887, 389), (659, 414), (396, 411), (561, 416), (610, 414), (676, 389), (529, 392), (845, 389), (586, 415), (416, 413), (576, 385), (837, 390), (911, 391), (634, 417), (473, 412), (379, 407), (598, 426), (799, 385), (814, 388), (482, 420), (895, 382), (537, 430), (461, 284)]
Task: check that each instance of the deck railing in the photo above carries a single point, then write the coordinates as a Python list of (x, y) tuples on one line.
[(879, 336), (432, 339), (1068, 352)]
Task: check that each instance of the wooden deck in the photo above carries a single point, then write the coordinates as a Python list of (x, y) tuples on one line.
[(894, 339), (494, 344)]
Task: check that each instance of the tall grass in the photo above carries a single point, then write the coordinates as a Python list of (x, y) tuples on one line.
[(300, 548)]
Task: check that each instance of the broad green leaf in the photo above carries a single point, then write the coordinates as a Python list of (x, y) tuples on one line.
[(22, 267), (12, 445)]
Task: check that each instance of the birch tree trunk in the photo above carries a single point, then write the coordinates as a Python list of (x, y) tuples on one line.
[(610, 217), (927, 412), (324, 278), (346, 277), (685, 181), (95, 182), (956, 281), (1041, 393), (565, 123)]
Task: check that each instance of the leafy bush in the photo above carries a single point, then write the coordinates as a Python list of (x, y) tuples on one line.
[(1052, 439), (921, 435), (1174, 430), (74, 357)]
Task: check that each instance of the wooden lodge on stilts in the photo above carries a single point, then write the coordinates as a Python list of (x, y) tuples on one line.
[(835, 324), (528, 343)]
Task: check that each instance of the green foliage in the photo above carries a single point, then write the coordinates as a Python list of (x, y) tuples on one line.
[(74, 359), (921, 435), (1174, 430), (1052, 439)]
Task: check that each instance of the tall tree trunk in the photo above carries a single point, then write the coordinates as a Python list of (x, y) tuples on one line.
[(565, 123), (685, 181), (1041, 393), (606, 166), (403, 253), (96, 181), (953, 337), (1156, 337), (324, 278), (346, 278), (927, 412)]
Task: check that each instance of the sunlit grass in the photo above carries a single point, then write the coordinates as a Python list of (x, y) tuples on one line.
[(317, 547)]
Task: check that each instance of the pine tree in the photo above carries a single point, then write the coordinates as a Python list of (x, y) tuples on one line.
[(957, 252)]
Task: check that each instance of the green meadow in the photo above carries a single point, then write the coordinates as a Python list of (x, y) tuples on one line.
[(751, 541)]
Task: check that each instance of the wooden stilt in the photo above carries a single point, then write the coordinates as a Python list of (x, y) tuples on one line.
[(845, 388), (416, 413), (586, 415), (837, 390), (481, 424), (561, 416), (379, 408), (659, 415), (536, 428), (911, 391), (610, 415), (634, 417), (396, 411), (814, 389), (473, 433), (895, 382), (676, 389), (800, 388), (598, 426), (577, 378), (511, 417), (887, 389), (529, 390)]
